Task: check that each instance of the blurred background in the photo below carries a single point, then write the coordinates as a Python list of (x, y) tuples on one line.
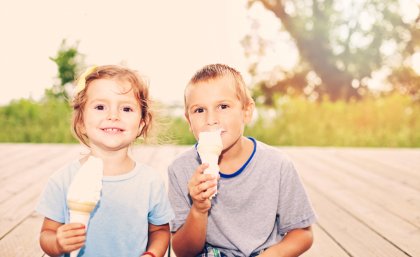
[(322, 72)]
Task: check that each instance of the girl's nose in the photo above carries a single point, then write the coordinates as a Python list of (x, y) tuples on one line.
[(113, 115)]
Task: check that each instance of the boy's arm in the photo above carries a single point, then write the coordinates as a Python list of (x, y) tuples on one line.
[(190, 238), (296, 242), (57, 239), (158, 240)]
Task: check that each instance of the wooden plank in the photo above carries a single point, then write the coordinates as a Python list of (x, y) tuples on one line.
[(324, 245), (8, 150), (22, 203), (404, 158), (361, 204), (354, 236), (394, 197), (391, 227), (19, 172), (17, 157), (384, 165), (24, 240)]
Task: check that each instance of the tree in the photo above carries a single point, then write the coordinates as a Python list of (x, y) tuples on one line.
[(69, 62), (340, 44)]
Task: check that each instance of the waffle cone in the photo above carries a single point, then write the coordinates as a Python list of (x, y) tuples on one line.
[(86, 207)]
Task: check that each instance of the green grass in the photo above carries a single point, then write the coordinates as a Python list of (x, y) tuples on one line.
[(392, 121)]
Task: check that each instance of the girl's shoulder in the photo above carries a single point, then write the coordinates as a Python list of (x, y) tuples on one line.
[(63, 175)]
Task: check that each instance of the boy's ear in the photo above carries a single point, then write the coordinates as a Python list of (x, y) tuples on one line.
[(248, 111), (189, 122)]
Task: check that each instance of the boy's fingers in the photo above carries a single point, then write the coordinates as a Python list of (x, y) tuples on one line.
[(201, 168)]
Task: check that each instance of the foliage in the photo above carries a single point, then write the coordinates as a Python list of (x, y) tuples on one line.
[(392, 121), (36, 122), (69, 62), (340, 43)]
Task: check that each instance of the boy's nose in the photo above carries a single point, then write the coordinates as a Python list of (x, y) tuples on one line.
[(212, 118)]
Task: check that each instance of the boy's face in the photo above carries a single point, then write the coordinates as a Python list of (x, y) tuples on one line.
[(213, 105)]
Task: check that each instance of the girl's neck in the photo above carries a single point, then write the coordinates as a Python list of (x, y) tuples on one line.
[(234, 157), (115, 162)]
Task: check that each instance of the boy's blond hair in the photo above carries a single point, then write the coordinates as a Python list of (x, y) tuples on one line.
[(138, 85), (214, 71)]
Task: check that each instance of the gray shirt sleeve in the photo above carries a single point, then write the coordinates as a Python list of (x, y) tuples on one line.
[(294, 209)]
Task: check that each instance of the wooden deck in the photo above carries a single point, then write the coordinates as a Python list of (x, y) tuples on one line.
[(367, 200)]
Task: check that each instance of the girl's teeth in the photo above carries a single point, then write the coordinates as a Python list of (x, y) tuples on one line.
[(111, 130)]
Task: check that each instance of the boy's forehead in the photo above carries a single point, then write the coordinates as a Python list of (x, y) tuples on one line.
[(218, 89), (226, 82)]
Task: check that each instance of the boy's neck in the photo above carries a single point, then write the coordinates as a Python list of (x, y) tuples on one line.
[(234, 157)]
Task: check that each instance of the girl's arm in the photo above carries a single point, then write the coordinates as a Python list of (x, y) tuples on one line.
[(295, 243), (158, 240), (56, 239)]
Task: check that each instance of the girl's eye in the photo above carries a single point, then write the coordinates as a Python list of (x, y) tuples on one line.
[(224, 106), (127, 109), (199, 110), (100, 107)]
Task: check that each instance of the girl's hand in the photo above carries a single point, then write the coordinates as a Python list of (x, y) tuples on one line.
[(71, 237), (201, 187)]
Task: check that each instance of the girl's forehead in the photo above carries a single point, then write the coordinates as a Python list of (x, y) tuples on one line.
[(109, 88)]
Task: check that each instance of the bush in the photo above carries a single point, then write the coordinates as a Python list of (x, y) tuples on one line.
[(392, 121)]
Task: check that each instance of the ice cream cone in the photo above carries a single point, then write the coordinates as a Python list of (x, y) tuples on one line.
[(80, 213), (209, 148)]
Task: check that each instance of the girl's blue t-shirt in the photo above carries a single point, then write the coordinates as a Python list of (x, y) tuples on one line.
[(118, 225)]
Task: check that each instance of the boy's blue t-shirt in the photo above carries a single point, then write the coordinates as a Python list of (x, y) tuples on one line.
[(119, 224), (252, 210)]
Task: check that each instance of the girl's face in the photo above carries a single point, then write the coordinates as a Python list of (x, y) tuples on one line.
[(112, 115)]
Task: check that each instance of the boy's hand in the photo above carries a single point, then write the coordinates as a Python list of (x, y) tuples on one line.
[(201, 187), (71, 237)]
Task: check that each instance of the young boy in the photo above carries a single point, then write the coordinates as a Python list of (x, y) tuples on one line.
[(261, 207)]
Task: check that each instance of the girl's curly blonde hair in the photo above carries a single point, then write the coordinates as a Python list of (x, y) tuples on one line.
[(115, 72)]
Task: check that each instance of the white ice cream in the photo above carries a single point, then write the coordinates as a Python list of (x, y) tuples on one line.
[(84, 192), (87, 183), (209, 148)]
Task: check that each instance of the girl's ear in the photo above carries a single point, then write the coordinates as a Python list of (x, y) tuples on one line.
[(248, 111), (81, 127), (141, 127)]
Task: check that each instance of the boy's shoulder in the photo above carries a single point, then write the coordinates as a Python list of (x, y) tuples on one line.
[(185, 162), (272, 152), (186, 156)]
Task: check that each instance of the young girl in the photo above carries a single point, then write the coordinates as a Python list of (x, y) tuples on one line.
[(110, 111)]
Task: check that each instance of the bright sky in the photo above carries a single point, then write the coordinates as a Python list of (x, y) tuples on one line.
[(167, 41)]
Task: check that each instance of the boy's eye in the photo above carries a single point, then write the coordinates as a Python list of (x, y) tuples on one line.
[(199, 110), (223, 106), (127, 109), (100, 107)]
